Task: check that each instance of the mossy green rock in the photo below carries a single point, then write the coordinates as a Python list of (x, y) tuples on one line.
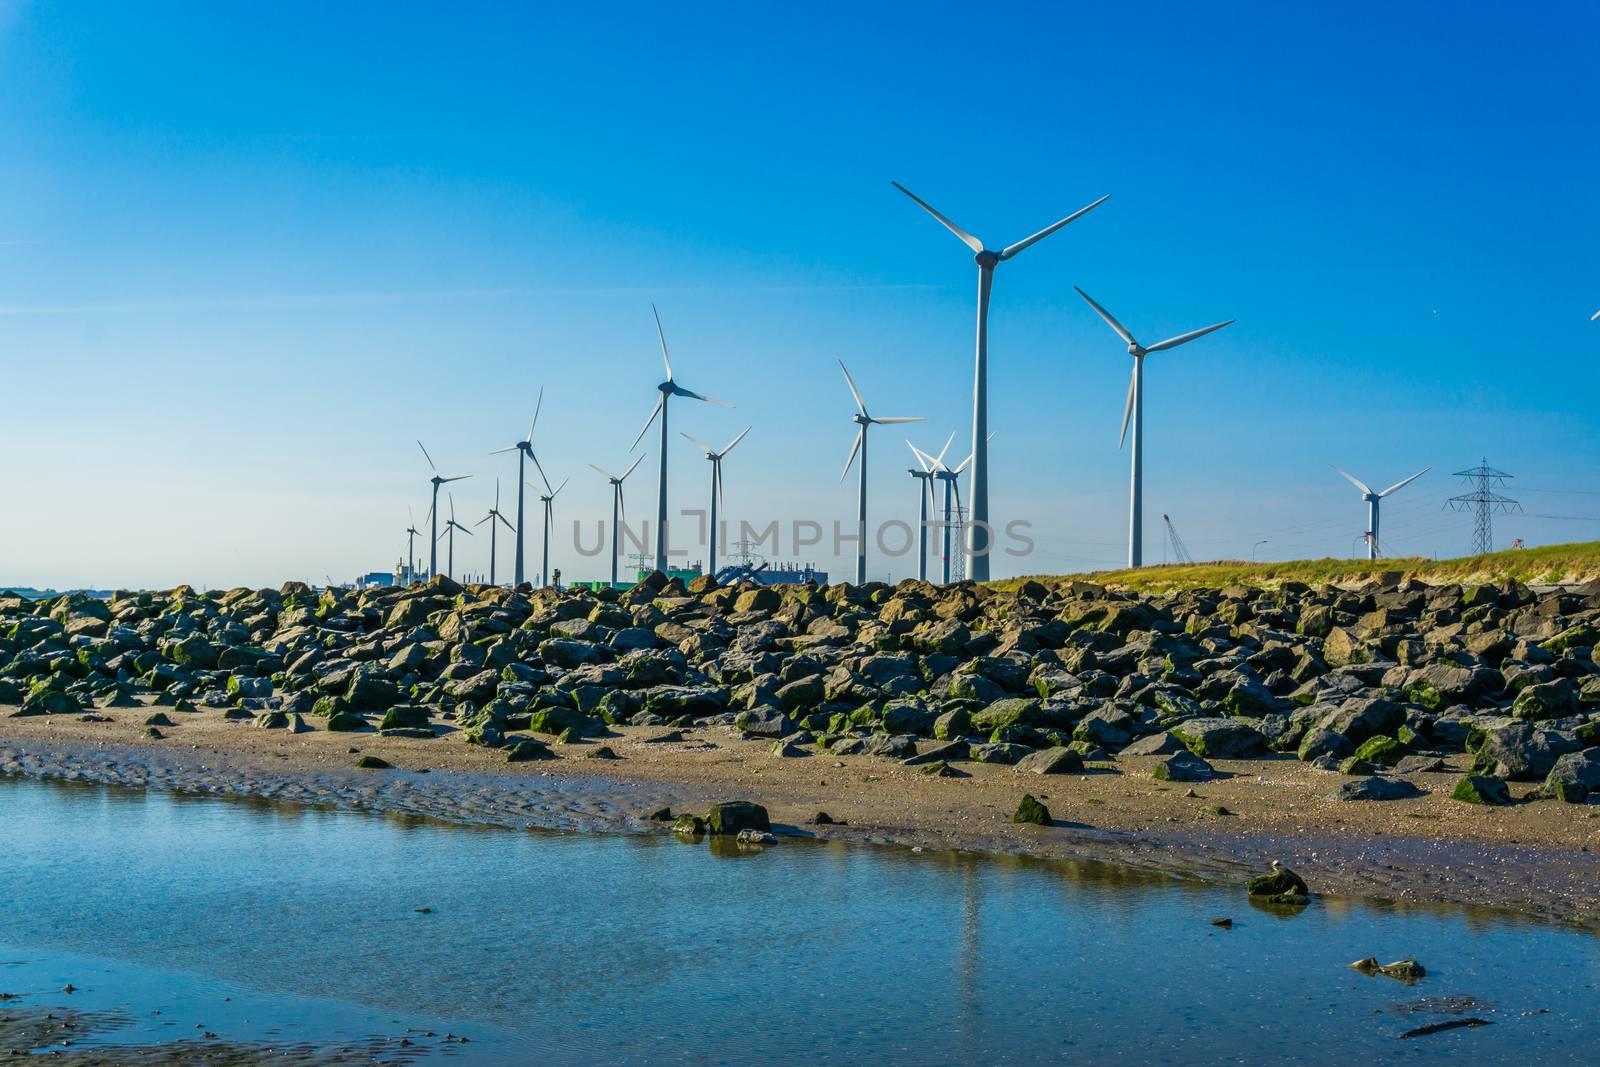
[(1380, 750), (1482, 789), (373, 763), (412, 716), (346, 721), (555, 721), (1277, 883), (734, 815), (528, 750), (1029, 810), (952, 724)]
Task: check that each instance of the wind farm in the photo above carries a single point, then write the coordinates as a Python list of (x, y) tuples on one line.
[(737, 752)]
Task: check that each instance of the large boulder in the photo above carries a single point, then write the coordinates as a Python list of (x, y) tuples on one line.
[(732, 816), (1059, 760), (1184, 767), (1221, 738)]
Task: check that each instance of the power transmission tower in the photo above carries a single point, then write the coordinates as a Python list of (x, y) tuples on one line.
[(1179, 550), (1483, 501)]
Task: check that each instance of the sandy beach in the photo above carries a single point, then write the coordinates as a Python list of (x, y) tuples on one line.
[(1535, 859)]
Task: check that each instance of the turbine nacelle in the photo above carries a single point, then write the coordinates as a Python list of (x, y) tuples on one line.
[(986, 258)]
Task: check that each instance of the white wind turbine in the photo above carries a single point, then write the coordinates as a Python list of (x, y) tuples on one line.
[(524, 451), (929, 469), (618, 510), (433, 513), (450, 529), (411, 546), (669, 389), (987, 260), (494, 513), (716, 490), (1372, 503), (951, 477), (546, 497), (1134, 411), (864, 421)]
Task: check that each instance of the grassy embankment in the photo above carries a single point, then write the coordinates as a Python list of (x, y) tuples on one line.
[(1550, 564)]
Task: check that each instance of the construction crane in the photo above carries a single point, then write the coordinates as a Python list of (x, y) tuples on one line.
[(1178, 550)]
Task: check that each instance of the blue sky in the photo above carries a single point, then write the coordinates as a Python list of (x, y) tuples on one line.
[(248, 253)]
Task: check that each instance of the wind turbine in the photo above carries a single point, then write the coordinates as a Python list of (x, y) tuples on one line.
[(987, 260), (929, 467), (618, 511), (669, 389), (951, 477), (716, 490), (524, 451), (863, 420), (433, 513), (494, 513), (1372, 503), (411, 546), (1134, 410), (450, 529), (547, 496)]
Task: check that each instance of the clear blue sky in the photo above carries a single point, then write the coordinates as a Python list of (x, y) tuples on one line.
[(249, 252)]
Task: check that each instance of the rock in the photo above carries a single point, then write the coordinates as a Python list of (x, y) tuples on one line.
[(764, 722), (346, 721), (1030, 810), (997, 753), (1221, 738), (272, 720), (1380, 750), (1482, 789), (159, 719), (689, 824), (1574, 777), (1184, 767), (937, 769), (1162, 744), (732, 816), (900, 748), (1376, 788), (373, 763), (1420, 765), (1321, 742), (528, 750), (822, 818), (414, 716), (1058, 760), (1280, 881), (756, 837)]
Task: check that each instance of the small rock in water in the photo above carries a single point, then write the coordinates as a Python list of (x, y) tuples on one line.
[(756, 837), (1279, 886), (660, 815), (1224, 922), (1448, 1024), (424, 911)]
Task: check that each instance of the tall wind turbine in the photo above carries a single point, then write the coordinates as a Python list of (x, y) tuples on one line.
[(1372, 503), (450, 529), (716, 490), (1134, 410), (987, 260), (864, 421), (618, 510), (669, 389), (433, 513), (494, 513), (524, 451), (929, 467), (951, 477), (411, 546), (547, 496)]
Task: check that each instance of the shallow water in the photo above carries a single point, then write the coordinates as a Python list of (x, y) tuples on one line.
[(597, 948)]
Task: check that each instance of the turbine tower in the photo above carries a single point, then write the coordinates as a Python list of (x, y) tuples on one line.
[(494, 513), (618, 512), (1372, 503), (547, 496), (929, 467), (716, 490), (433, 513), (987, 260), (1134, 410), (411, 546), (450, 529), (669, 389), (863, 420), (951, 477), (524, 451)]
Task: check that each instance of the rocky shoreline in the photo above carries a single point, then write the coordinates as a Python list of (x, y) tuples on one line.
[(1335, 712)]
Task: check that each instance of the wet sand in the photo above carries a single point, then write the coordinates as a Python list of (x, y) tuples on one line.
[(1538, 859)]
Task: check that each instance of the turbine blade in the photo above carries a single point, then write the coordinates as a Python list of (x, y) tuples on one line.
[(463, 529), (961, 467), (701, 445), (648, 422), (1127, 409), (966, 238), (497, 494), (560, 487), (538, 467), (663, 336), (1185, 338), (861, 405), (939, 460), (428, 457), (678, 390), (536, 406), (507, 521), (716, 476), (1011, 250), (889, 422), (736, 440), (853, 450), (498, 451), (487, 518), (457, 478), (605, 473), (1111, 320), (1406, 482), (1353, 480), (632, 468), (622, 506), (922, 459)]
